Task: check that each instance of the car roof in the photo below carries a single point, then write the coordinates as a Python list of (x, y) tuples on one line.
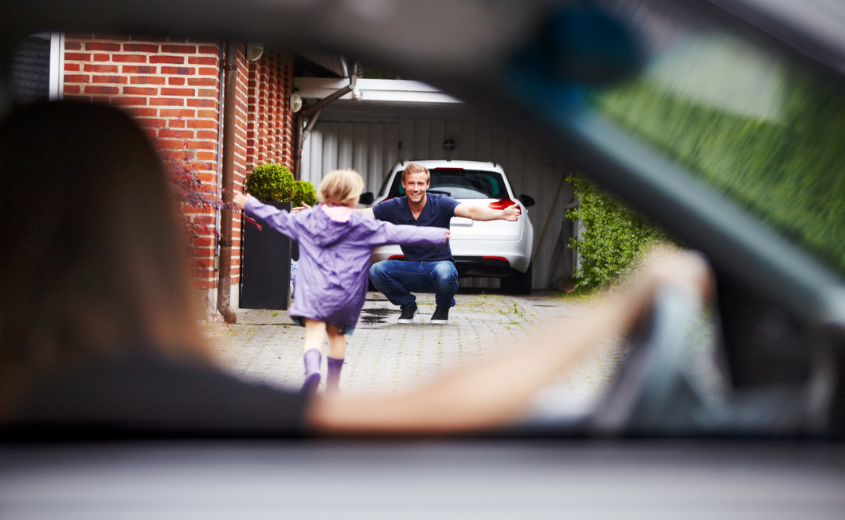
[(464, 165)]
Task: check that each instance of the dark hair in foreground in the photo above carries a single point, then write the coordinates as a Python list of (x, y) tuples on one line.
[(93, 255)]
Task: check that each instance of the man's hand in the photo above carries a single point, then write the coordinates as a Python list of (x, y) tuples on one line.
[(299, 209), (512, 213), (239, 200)]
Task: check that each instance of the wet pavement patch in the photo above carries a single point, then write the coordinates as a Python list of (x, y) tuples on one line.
[(376, 316)]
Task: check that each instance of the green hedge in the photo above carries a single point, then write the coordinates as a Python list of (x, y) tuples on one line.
[(613, 235), (788, 170)]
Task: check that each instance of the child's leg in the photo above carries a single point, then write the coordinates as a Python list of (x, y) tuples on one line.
[(315, 332), (337, 351)]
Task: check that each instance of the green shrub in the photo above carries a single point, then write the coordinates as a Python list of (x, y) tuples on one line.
[(304, 192), (271, 183), (613, 235)]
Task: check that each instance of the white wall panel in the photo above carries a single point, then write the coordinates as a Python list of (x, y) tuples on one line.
[(372, 145)]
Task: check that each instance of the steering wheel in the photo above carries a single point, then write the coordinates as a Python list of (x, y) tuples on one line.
[(659, 389)]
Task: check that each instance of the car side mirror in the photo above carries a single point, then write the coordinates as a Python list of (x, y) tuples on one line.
[(526, 200), (366, 198)]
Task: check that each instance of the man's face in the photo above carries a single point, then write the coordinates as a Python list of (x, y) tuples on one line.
[(415, 185)]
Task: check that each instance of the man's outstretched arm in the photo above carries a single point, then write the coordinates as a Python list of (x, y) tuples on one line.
[(511, 213)]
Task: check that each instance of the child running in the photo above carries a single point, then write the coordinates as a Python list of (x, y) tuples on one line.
[(335, 244)]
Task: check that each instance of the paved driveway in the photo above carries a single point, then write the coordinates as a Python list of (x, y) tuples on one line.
[(383, 356)]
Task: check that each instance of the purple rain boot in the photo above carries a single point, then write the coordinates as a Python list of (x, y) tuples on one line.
[(312, 360), (333, 377)]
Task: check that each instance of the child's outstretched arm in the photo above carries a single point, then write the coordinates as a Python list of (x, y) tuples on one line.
[(278, 219)]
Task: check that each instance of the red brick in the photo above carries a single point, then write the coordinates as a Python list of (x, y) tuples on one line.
[(129, 58), (177, 70), (175, 134), (202, 145), (207, 134), (202, 123), (179, 49), (73, 46), (102, 46), (77, 56), (171, 144), (93, 89), (141, 91), (176, 81), (102, 57), (176, 123), (177, 92), (147, 80), (209, 49), (143, 112), (204, 103), (170, 102), (178, 60), (202, 82), (140, 47), (130, 100), (207, 156), (207, 92), (71, 89), (209, 114), (154, 122), (206, 71), (77, 78), (177, 112), (71, 67), (109, 79), (202, 61), (139, 69), (105, 69)]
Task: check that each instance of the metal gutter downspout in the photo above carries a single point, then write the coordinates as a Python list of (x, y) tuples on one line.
[(224, 281), (312, 112)]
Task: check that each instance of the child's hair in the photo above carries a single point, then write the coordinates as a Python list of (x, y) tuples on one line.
[(341, 187)]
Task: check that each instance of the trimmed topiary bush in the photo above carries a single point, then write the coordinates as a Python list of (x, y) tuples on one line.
[(275, 183), (271, 183), (304, 192), (613, 235)]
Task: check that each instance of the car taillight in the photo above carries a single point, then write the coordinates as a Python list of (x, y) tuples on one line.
[(501, 204), (397, 257)]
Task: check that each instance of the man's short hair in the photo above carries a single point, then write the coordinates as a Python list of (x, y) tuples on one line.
[(416, 168)]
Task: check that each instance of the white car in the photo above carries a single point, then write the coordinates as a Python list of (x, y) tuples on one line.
[(498, 248)]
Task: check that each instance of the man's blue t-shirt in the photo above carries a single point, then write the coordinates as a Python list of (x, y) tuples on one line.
[(437, 212)]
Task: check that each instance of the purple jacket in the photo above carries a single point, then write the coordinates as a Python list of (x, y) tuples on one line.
[(334, 257)]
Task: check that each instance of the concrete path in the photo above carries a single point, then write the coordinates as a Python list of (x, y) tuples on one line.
[(383, 356)]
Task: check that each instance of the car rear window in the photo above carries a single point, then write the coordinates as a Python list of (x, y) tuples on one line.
[(459, 184)]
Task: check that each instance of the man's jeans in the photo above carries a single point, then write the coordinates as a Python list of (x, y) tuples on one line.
[(397, 279)]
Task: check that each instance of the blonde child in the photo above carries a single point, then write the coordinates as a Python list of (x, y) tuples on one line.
[(335, 244)]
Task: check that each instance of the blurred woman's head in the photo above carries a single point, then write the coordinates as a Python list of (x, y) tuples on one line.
[(93, 257)]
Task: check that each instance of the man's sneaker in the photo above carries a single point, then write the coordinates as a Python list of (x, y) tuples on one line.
[(441, 315), (408, 313)]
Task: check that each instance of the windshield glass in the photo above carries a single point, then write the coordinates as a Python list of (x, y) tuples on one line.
[(758, 128), (460, 184)]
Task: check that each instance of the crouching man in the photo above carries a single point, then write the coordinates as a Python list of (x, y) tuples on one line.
[(425, 269)]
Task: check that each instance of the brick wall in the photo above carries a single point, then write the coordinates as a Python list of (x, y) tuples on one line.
[(172, 88), (270, 119)]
